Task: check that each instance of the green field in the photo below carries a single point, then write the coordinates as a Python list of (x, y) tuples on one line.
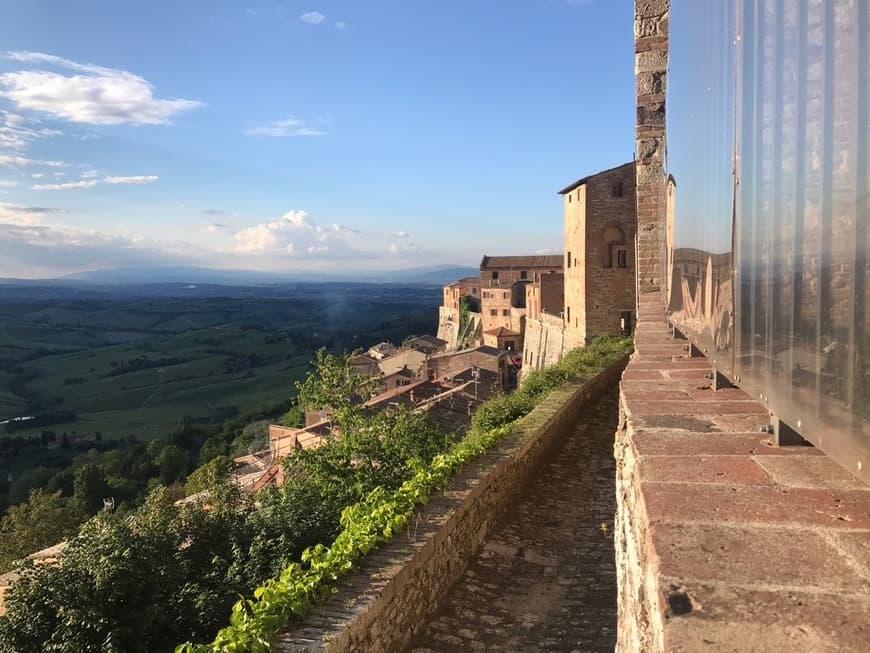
[(131, 364)]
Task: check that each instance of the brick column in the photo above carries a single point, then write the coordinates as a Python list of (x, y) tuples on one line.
[(650, 67)]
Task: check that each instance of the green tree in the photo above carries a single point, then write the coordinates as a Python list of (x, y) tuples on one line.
[(214, 446), (210, 475), (172, 464), (44, 520), (334, 383), (21, 487), (89, 489)]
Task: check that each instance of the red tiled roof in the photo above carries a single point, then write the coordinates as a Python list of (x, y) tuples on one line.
[(583, 180), (525, 262), (500, 331)]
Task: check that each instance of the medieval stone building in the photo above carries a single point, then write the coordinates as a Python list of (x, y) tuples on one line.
[(543, 306)]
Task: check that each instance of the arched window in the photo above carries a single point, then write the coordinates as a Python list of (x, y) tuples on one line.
[(617, 252)]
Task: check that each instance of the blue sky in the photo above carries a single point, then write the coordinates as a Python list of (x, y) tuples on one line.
[(301, 135)]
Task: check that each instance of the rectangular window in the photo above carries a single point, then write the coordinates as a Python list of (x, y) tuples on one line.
[(524, 274), (495, 274), (505, 312), (504, 295), (569, 259), (493, 311), (569, 315), (621, 258), (616, 189)]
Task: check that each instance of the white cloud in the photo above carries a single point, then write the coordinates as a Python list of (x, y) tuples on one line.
[(312, 17), (16, 160), (91, 182), (82, 183), (16, 132), (137, 179), (290, 126), (295, 232), (8, 183), (401, 234), (405, 248), (16, 214), (90, 174), (215, 227), (97, 95)]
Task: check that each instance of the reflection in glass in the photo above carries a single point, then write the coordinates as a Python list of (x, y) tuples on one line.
[(767, 206)]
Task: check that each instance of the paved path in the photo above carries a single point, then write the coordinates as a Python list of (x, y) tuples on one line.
[(545, 580)]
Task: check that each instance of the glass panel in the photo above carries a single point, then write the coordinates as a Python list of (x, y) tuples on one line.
[(700, 160), (775, 91)]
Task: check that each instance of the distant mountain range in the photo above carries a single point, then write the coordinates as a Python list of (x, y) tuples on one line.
[(434, 275)]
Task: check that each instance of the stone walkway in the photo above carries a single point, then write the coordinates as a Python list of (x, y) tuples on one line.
[(545, 580)]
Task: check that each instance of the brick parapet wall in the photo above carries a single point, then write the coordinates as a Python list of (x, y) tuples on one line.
[(651, 65), (723, 541), (381, 607)]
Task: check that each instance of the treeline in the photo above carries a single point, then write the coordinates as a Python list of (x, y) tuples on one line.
[(123, 470), (146, 578), (141, 363), (42, 419)]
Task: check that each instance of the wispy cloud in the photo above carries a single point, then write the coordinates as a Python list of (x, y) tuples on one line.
[(136, 179), (90, 183), (82, 183), (401, 234), (312, 17), (289, 126), (16, 214), (40, 250), (95, 95), (215, 227), (340, 25), (214, 212), (17, 160), (8, 183), (16, 131), (405, 248)]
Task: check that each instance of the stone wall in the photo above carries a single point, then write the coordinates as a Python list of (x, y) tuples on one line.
[(575, 268), (547, 340), (725, 542), (382, 606), (651, 65), (611, 224), (448, 326)]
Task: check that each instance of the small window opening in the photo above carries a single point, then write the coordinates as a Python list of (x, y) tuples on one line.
[(616, 189)]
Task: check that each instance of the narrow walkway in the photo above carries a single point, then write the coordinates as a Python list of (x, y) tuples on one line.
[(545, 580)]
